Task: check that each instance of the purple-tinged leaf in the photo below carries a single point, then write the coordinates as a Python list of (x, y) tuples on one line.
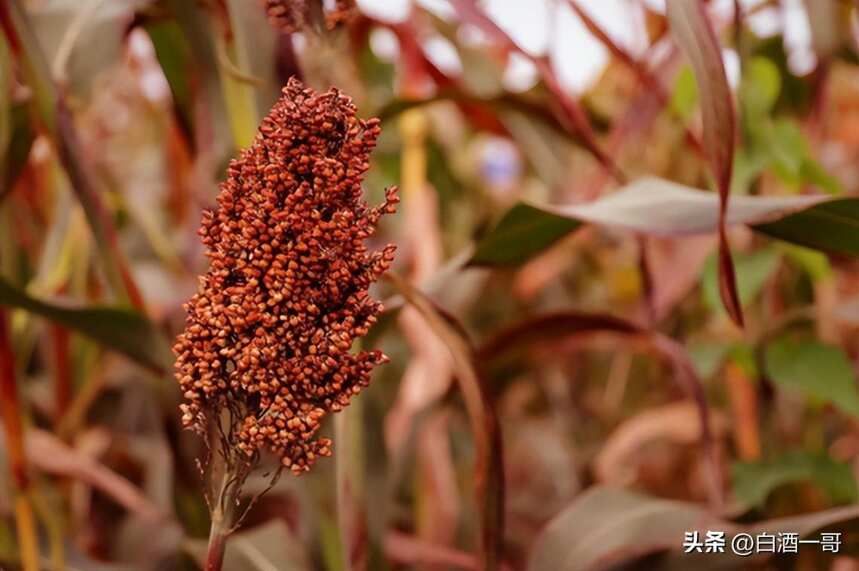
[(695, 36), (656, 207), (661, 208)]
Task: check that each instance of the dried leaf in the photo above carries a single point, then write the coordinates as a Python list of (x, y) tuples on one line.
[(549, 330), (51, 455), (56, 116), (676, 422), (489, 474), (607, 526)]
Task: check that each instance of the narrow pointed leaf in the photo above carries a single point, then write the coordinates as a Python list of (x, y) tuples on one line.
[(754, 481), (174, 55), (524, 230), (831, 226), (21, 138), (657, 207), (121, 330), (821, 372), (489, 470), (694, 34), (607, 527)]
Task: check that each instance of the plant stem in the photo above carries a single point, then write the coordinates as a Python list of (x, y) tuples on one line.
[(13, 427), (231, 45), (217, 543), (351, 490), (25, 523), (62, 371), (53, 526), (222, 517), (222, 499)]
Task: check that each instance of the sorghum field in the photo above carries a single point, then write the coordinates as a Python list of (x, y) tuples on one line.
[(445, 284)]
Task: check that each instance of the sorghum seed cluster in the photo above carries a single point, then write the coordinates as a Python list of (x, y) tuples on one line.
[(295, 15), (270, 330)]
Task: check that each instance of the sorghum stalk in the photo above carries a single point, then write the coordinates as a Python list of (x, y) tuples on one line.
[(13, 427), (266, 352)]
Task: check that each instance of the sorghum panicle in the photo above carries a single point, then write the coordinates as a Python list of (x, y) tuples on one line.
[(294, 15), (271, 326)]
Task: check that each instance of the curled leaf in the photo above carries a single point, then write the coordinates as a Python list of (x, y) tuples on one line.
[(696, 38)]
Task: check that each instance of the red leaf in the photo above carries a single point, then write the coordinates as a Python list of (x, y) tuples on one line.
[(573, 117), (695, 36)]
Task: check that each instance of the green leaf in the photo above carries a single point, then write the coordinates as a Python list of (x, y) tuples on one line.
[(743, 356), (522, 233), (831, 226), (707, 357), (813, 263), (122, 330), (685, 95), (174, 56), (781, 146), (759, 90), (753, 270), (18, 149), (21, 142), (812, 172), (795, 96), (16, 136), (819, 371), (753, 482), (748, 166), (777, 144), (786, 146)]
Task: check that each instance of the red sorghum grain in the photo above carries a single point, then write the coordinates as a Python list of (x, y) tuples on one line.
[(269, 331)]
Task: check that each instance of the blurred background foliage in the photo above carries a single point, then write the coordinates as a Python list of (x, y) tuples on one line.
[(545, 265)]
